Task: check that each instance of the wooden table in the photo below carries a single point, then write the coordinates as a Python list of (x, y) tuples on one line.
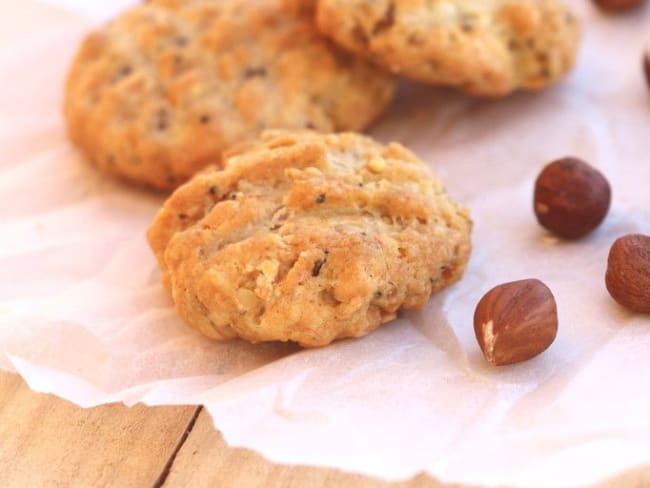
[(48, 442)]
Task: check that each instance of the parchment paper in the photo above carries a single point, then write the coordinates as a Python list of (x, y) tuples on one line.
[(83, 315)]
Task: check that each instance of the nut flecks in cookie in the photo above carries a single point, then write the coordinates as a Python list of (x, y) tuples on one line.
[(309, 238), (484, 47), (158, 93)]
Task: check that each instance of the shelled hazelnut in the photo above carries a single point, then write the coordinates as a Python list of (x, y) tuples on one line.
[(619, 5), (571, 198), (516, 321), (628, 272)]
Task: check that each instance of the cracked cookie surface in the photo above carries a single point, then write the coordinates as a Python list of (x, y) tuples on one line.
[(308, 238), (484, 47), (161, 91)]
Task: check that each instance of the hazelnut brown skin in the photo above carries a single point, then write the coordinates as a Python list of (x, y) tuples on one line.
[(628, 272), (516, 321), (619, 5), (571, 198)]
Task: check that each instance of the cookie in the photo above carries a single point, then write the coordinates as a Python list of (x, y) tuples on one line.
[(300, 6), (308, 238), (161, 91), (484, 47)]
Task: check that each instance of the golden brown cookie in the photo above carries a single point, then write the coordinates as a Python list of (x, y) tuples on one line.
[(161, 91), (309, 238), (484, 47)]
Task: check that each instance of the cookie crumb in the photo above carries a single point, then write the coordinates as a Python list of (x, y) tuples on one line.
[(377, 164)]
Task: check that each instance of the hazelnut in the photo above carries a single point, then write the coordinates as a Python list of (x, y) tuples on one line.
[(571, 198), (618, 5), (628, 272), (515, 321)]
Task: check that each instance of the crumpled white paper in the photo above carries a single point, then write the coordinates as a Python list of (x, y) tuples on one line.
[(83, 315)]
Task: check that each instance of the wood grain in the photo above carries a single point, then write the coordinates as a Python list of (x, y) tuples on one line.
[(205, 461), (46, 441)]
